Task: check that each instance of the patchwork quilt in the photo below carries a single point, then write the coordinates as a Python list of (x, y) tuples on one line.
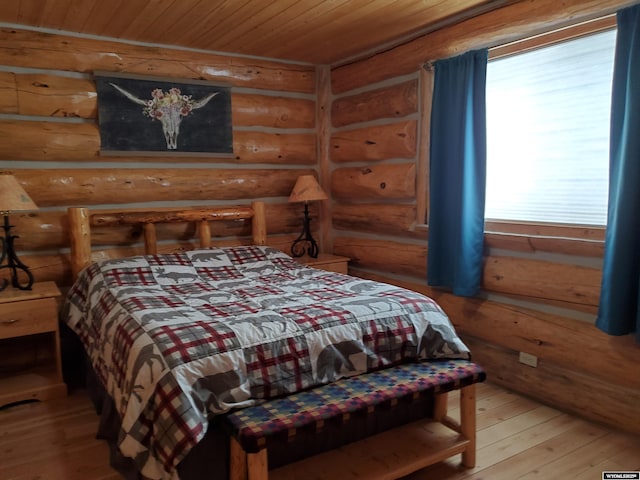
[(178, 338)]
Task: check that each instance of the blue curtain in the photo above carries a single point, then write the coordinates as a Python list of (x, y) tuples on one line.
[(619, 310), (457, 173)]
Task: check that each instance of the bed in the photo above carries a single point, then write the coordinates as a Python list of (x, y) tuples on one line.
[(176, 339)]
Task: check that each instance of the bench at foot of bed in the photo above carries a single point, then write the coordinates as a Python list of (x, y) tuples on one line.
[(388, 455)]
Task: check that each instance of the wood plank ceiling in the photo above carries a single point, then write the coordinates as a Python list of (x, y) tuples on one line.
[(320, 32)]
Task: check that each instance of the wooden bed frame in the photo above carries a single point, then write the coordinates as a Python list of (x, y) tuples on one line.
[(81, 220), (409, 457)]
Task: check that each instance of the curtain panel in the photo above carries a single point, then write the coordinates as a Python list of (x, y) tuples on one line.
[(619, 309), (457, 173)]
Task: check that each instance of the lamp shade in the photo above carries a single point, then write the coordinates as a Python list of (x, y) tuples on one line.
[(307, 189), (13, 198)]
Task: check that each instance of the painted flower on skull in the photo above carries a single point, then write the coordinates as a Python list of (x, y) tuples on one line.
[(161, 103)]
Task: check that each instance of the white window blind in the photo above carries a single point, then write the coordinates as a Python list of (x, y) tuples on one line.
[(548, 114)]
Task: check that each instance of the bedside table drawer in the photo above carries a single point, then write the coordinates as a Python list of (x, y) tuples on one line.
[(24, 313), (325, 261), (338, 267), (27, 318)]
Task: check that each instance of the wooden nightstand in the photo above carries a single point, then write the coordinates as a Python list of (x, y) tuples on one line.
[(26, 315), (325, 261)]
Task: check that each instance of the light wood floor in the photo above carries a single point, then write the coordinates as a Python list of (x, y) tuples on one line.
[(517, 439)]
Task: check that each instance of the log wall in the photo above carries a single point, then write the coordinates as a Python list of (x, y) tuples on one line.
[(49, 139), (540, 288)]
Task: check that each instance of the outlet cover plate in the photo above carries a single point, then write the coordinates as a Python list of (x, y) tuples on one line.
[(528, 359)]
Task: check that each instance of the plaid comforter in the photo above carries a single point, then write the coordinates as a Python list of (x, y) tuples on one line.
[(177, 338)]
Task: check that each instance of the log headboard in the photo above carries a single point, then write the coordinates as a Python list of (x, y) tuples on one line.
[(81, 220)]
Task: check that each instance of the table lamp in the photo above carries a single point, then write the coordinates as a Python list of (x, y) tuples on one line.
[(306, 190), (13, 198)]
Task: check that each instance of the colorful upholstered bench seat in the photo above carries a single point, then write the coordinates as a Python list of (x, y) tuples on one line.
[(251, 427)]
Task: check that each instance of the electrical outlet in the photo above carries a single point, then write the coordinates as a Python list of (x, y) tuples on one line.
[(528, 359)]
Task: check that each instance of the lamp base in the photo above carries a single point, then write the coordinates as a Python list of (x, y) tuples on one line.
[(13, 262), (305, 238)]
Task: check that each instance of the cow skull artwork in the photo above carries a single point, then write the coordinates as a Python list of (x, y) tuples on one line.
[(167, 107)]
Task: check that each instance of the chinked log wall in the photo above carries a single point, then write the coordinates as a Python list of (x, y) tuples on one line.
[(540, 288), (49, 139)]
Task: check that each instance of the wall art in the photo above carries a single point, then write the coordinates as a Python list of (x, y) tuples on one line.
[(140, 115)]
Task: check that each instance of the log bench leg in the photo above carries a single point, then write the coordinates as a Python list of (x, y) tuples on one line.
[(247, 466), (237, 461), (440, 406), (468, 423), (257, 466)]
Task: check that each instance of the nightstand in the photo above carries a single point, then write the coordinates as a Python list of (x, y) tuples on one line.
[(30, 316), (325, 261)]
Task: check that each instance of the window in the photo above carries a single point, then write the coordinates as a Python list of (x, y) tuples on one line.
[(548, 114)]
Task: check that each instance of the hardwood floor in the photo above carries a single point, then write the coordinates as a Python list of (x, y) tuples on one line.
[(517, 439), (53, 440)]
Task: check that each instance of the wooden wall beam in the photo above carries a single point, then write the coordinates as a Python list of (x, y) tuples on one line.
[(538, 279), (394, 219), (385, 255), (394, 140), (323, 120), (271, 111), (566, 285), (396, 101), (59, 141), (56, 96), (58, 187), (48, 141), (50, 95), (25, 48), (391, 182), (40, 230), (274, 148), (513, 22), (8, 93)]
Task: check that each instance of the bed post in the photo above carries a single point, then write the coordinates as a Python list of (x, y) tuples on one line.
[(258, 224), (80, 239)]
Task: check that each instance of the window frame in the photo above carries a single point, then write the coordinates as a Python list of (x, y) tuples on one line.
[(590, 233), (573, 231)]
